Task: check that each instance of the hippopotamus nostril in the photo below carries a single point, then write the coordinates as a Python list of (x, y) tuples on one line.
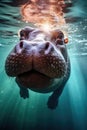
[(47, 45), (48, 48)]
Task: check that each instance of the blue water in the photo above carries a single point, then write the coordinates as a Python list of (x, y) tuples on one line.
[(33, 113)]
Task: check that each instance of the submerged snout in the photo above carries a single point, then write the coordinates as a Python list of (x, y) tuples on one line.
[(40, 56)]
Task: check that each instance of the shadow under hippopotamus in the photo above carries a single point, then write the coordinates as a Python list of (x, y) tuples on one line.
[(40, 62)]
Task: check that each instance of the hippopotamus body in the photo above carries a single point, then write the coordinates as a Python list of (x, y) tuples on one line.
[(40, 62)]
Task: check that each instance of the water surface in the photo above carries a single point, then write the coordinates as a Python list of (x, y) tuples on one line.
[(33, 114)]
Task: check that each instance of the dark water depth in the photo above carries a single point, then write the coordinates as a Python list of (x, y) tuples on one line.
[(33, 114)]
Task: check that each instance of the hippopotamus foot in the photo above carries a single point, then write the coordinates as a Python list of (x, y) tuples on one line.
[(24, 93), (52, 102), (53, 99)]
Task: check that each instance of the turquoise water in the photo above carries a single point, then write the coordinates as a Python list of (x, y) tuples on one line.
[(33, 113)]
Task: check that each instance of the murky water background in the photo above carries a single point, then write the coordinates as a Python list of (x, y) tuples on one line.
[(33, 114)]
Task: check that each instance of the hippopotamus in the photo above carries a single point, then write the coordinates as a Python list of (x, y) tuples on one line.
[(40, 62)]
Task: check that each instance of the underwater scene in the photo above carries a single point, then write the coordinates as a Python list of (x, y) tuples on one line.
[(17, 113)]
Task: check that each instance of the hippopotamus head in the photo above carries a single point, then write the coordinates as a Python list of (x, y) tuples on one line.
[(39, 60)]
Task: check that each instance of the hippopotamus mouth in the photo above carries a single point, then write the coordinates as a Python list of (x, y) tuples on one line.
[(35, 78), (38, 58)]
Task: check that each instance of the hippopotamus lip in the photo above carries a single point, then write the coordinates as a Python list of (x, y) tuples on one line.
[(33, 79), (31, 72)]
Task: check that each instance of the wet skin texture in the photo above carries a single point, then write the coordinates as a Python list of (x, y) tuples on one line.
[(40, 62)]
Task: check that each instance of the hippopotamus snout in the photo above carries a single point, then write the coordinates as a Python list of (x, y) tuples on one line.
[(35, 55)]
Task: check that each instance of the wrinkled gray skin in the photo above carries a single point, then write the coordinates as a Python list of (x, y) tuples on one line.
[(40, 62)]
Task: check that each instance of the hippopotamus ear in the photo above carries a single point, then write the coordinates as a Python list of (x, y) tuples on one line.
[(57, 34), (66, 40), (24, 32)]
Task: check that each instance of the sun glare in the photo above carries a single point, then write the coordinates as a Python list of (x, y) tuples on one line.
[(46, 27), (46, 14)]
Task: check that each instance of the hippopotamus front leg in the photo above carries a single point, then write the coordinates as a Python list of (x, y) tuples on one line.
[(53, 99), (24, 92)]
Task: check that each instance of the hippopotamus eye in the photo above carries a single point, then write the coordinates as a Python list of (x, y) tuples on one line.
[(60, 35), (57, 34), (59, 42), (24, 33)]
